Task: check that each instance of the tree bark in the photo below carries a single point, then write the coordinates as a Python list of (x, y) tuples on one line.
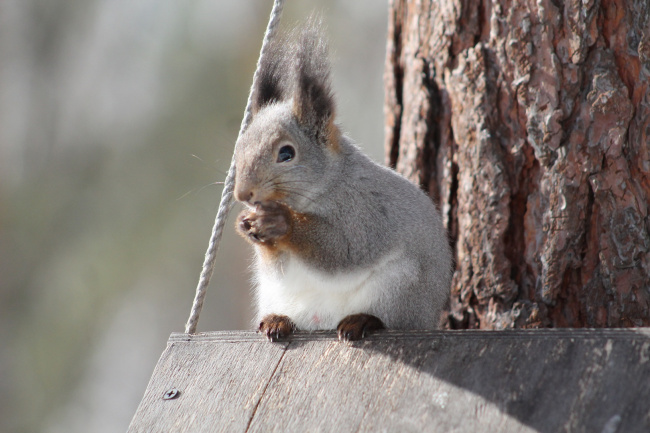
[(529, 124)]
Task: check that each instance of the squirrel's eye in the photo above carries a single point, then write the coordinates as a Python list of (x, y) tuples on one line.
[(286, 153)]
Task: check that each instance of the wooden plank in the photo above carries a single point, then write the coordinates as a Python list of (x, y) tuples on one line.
[(219, 385), (515, 381)]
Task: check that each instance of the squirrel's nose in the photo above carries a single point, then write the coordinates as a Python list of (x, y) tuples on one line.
[(244, 194)]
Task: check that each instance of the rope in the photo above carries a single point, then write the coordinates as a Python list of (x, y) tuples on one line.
[(229, 185)]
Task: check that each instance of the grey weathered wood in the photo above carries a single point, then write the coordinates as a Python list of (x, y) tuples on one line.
[(220, 385), (465, 381)]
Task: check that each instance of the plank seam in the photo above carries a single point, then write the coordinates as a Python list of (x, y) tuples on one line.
[(250, 421)]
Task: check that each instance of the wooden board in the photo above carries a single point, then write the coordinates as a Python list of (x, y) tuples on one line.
[(451, 381)]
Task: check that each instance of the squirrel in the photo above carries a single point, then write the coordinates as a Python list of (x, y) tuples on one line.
[(340, 241)]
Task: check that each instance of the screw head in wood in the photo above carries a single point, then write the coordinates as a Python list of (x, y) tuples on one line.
[(171, 394)]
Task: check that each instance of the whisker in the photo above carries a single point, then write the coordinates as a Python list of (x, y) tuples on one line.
[(185, 195), (213, 166), (293, 181), (196, 191), (294, 188), (271, 180), (292, 191), (283, 172)]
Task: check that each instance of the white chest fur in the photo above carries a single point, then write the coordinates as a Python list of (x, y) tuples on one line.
[(317, 300)]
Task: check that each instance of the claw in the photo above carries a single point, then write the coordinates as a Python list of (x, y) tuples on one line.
[(276, 327), (358, 326)]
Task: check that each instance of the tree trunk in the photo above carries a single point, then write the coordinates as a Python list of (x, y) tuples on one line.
[(529, 124)]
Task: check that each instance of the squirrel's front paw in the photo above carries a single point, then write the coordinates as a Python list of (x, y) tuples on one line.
[(276, 327), (264, 224), (357, 326)]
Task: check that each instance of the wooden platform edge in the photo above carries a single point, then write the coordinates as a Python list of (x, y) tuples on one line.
[(524, 381), (539, 333)]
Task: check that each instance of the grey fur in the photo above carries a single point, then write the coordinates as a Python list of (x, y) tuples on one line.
[(358, 211)]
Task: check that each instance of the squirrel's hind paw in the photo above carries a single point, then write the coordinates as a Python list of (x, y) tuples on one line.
[(358, 326), (276, 327)]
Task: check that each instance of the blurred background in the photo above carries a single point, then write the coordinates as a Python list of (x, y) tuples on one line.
[(117, 120)]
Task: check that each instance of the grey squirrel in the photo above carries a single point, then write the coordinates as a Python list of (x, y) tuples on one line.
[(341, 242)]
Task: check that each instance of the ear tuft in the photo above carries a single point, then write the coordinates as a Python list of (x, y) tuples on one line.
[(271, 85), (296, 67), (313, 101)]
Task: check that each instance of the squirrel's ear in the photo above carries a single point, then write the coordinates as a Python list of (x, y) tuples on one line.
[(313, 102), (270, 86)]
